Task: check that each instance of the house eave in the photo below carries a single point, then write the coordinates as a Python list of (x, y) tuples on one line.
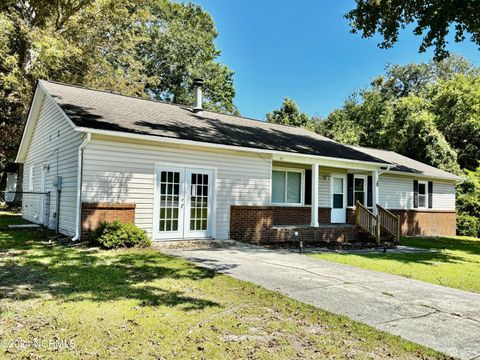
[(304, 158), (425, 176)]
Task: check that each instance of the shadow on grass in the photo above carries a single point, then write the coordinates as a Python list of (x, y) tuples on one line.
[(32, 269)]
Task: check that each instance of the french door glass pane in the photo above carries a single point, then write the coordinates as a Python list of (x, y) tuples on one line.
[(169, 200), (294, 186), (278, 186), (199, 202)]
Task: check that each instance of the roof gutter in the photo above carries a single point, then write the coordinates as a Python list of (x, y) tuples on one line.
[(385, 170), (453, 178), (168, 140), (78, 214)]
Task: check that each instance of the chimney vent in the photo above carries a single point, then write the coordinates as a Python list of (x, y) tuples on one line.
[(198, 83)]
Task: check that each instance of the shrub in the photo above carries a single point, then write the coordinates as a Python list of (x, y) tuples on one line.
[(468, 225), (116, 235)]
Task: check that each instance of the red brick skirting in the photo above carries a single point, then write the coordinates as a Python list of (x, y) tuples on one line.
[(265, 225), (421, 222), (267, 216), (95, 213), (427, 223)]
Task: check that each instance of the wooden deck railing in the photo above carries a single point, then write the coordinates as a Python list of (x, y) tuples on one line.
[(373, 224), (388, 221), (365, 219)]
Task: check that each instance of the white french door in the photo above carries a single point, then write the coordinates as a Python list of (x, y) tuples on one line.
[(338, 191), (183, 202)]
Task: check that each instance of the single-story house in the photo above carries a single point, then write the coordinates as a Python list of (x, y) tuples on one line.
[(182, 172)]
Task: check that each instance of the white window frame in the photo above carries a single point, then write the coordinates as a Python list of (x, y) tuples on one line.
[(365, 189), (426, 194), (30, 177), (302, 185)]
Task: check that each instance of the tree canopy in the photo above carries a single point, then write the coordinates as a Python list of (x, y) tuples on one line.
[(432, 19), (288, 114), (148, 48), (429, 112)]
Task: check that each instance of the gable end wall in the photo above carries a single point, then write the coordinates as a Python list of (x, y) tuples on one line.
[(53, 142)]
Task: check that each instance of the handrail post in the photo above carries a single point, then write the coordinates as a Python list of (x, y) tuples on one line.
[(357, 214), (398, 228), (378, 227)]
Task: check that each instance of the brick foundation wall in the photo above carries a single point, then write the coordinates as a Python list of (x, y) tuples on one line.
[(263, 225), (95, 213), (427, 223), (418, 222), (259, 217), (351, 216)]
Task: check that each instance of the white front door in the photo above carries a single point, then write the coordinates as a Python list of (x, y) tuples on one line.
[(184, 203), (338, 191)]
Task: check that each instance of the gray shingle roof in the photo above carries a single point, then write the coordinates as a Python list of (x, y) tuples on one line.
[(106, 111), (405, 164)]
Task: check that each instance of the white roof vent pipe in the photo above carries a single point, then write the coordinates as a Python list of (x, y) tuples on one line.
[(198, 83)]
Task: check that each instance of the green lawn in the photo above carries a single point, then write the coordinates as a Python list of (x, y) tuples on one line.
[(140, 304), (7, 218), (455, 261)]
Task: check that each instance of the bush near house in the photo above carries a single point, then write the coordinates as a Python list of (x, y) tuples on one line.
[(468, 225), (468, 204), (114, 235)]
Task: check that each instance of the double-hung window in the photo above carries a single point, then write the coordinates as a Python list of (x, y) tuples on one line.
[(422, 194), (287, 186), (360, 189)]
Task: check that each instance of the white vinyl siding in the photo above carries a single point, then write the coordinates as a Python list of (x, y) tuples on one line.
[(53, 141), (396, 192), (324, 190), (124, 172)]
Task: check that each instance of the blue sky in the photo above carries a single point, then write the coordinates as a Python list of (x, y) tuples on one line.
[(303, 50)]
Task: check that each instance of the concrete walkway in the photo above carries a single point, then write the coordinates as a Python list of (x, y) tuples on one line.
[(441, 318)]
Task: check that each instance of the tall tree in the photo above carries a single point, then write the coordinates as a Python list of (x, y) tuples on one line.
[(440, 96), (149, 48), (456, 105), (288, 114), (434, 18)]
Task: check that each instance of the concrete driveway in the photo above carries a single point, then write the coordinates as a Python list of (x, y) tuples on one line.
[(441, 318)]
